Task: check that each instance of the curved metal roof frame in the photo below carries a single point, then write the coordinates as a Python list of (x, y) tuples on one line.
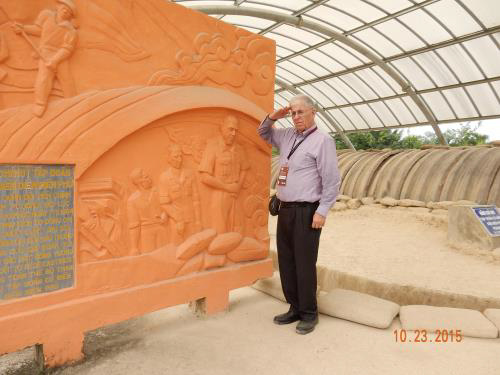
[(439, 64)]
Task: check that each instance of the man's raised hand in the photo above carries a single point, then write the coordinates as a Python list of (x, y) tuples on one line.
[(279, 113)]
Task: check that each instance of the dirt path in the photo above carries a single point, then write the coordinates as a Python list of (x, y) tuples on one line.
[(245, 341), (404, 247)]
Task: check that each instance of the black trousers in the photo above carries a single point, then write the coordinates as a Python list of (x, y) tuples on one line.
[(298, 244)]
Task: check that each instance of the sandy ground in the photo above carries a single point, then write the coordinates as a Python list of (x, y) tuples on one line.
[(245, 341), (383, 244), (404, 247)]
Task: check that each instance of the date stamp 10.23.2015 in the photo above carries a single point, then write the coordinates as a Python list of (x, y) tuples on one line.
[(424, 336)]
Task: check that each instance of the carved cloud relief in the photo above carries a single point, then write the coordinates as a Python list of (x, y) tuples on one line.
[(220, 61)]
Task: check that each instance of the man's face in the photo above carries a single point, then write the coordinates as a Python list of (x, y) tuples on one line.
[(144, 181), (229, 129), (302, 115), (64, 13), (175, 157)]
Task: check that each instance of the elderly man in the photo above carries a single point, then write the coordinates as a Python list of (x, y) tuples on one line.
[(223, 167), (308, 184), (58, 37)]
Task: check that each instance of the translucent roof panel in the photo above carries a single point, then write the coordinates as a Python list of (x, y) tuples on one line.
[(454, 17), (378, 42), (360, 9), (370, 115), (342, 20), (400, 35), (485, 99), (486, 53), (461, 103), (425, 25), (375, 64), (485, 10)]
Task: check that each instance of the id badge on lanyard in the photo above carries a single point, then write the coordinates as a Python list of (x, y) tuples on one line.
[(283, 175), (284, 168)]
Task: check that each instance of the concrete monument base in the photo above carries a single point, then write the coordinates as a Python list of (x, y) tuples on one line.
[(64, 323)]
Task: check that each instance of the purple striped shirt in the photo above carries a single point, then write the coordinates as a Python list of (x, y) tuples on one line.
[(313, 173)]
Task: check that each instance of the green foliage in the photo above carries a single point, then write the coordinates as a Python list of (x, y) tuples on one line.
[(373, 140), (465, 135), (412, 141)]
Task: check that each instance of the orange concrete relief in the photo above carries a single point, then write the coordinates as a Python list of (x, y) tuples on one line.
[(154, 110)]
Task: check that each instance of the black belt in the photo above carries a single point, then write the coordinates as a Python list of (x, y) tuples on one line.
[(297, 204)]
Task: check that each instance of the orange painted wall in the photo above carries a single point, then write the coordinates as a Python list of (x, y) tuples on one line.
[(156, 107)]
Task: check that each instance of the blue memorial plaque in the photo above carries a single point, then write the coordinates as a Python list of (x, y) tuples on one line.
[(36, 229), (490, 218)]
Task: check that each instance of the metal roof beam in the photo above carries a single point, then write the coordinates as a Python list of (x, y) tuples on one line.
[(305, 24), (419, 92), (452, 121), (391, 16), (325, 114), (446, 43), (297, 13)]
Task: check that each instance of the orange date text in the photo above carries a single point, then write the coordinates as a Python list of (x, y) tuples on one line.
[(421, 335)]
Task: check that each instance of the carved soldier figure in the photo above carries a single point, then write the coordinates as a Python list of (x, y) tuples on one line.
[(145, 217), (179, 196), (58, 37), (223, 167)]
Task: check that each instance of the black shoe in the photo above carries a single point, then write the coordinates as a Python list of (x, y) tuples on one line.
[(286, 318), (306, 326)]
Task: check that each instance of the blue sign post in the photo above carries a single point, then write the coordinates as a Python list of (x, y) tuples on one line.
[(490, 218)]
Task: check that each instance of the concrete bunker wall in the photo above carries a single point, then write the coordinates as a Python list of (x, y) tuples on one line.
[(430, 175)]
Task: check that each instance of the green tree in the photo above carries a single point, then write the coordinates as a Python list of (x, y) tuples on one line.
[(412, 141), (372, 140), (465, 135)]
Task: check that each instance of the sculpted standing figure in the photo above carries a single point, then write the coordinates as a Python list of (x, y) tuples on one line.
[(145, 217), (179, 196), (58, 37), (308, 184), (223, 167)]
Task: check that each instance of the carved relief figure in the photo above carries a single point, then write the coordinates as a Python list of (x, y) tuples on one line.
[(145, 217), (223, 167), (100, 232), (179, 196), (58, 37)]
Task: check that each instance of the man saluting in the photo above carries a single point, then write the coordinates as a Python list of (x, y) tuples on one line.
[(308, 184)]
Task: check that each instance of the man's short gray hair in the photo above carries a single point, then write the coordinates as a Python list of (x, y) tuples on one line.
[(303, 98)]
